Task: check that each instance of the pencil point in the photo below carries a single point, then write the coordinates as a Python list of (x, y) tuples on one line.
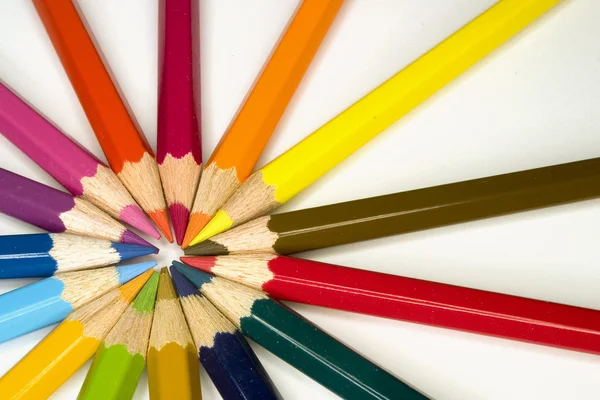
[(129, 290), (144, 302), (197, 222), (179, 217), (161, 219), (202, 263), (166, 291), (220, 223), (183, 286), (130, 237), (134, 216), (207, 248), (195, 276), (128, 251), (128, 272)]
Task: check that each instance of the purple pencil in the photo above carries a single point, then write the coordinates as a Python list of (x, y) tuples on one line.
[(179, 153), (59, 212), (66, 161)]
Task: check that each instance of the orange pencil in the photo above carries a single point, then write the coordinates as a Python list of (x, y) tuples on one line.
[(126, 149), (236, 155)]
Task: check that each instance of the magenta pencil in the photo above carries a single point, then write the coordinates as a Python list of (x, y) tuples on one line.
[(59, 212), (179, 152), (77, 170)]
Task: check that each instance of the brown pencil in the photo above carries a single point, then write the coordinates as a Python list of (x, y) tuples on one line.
[(403, 212)]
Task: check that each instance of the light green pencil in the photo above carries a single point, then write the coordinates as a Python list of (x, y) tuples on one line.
[(120, 359)]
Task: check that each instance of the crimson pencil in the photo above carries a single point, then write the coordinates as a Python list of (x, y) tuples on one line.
[(412, 300), (59, 212), (76, 169), (179, 152)]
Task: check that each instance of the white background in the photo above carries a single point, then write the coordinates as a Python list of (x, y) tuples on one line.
[(533, 103)]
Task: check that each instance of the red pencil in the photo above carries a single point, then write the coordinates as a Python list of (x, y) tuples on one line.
[(412, 300), (179, 152)]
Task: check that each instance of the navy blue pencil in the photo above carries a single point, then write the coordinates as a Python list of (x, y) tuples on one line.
[(222, 349), (43, 254)]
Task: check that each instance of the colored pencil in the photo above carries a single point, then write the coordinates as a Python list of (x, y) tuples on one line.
[(404, 212), (121, 358), (77, 170), (297, 341), (124, 146), (44, 254), (236, 155), (412, 300), (60, 354), (179, 150), (50, 300), (59, 212), (294, 170), (173, 371), (222, 349)]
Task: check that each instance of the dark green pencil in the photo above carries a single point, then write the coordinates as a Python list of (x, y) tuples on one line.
[(404, 212), (299, 342)]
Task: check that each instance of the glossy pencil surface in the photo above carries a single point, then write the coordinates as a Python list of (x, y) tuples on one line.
[(57, 211), (43, 254), (60, 354), (173, 371), (300, 343), (179, 151), (121, 358), (50, 300), (412, 300), (126, 149), (242, 144), (82, 174), (318, 153), (223, 351), (404, 212)]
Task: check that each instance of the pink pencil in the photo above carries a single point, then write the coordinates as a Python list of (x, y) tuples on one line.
[(72, 166), (179, 151)]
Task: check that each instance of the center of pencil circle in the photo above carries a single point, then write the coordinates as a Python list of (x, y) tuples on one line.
[(168, 252)]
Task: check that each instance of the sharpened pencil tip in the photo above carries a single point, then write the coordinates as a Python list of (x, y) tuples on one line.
[(133, 238), (166, 291), (195, 276), (128, 272), (144, 302), (161, 219), (179, 216), (220, 223), (207, 248), (128, 251), (197, 222), (183, 286), (134, 216), (129, 290), (202, 263)]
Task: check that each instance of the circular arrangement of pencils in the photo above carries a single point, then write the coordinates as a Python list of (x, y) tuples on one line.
[(125, 316)]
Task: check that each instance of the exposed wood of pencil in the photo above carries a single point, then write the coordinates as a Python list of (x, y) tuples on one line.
[(125, 147), (300, 343), (179, 151), (242, 144), (172, 359), (60, 354), (413, 300), (318, 153), (410, 211)]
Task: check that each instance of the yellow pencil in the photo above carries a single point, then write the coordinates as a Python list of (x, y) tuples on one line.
[(60, 354), (173, 371), (329, 145)]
